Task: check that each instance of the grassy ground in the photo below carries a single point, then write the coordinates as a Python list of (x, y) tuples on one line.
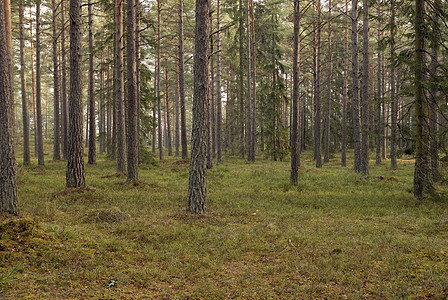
[(333, 236)]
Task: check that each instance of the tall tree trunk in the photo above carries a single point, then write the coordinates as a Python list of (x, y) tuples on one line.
[(433, 146), (75, 176), (241, 79), (328, 106), (379, 97), (137, 76), (8, 184), (422, 180), (102, 106), (212, 94), (317, 120), (119, 88), (64, 106), (384, 126), (92, 125), (295, 158), (176, 110), (109, 111), (249, 100), (40, 139), (154, 109), (393, 100), (159, 109), (218, 85), (132, 109), (210, 108), (254, 86), (183, 122), (365, 92), (355, 80), (197, 178), (25, 116), (345, 94)]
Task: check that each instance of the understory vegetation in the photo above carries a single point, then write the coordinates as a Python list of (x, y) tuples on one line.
[(334, 235)]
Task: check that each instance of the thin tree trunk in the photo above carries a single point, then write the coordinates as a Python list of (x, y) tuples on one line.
[(212, 95), (137, 76), (365, 93), (197, 178), (56, 128), (159, 109), (218, 85), (8, 185), (33, 86), (92, 125), (328, 106), (317, 120), (132, 109), (40, 139), (154, 128), (393, 100), (295, 158), (25, 116), (167, 110), (241, 79), (183, 122), (345, 94), (249, 100), (119, 88), (64, 106), (254, 86), (176, 109), (379, 96), (75, 176)]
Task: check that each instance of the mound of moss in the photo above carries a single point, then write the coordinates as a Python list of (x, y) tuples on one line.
[(107, 215)]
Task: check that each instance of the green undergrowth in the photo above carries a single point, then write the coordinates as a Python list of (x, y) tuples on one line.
[(335, 235)]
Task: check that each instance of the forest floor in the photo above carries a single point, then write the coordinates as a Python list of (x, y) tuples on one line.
[(333, 236)]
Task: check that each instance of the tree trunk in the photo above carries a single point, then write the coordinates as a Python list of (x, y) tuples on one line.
[(241, 79), (183, 122), (197, 178), (328, 106), (317, 120), (137, 76), (8, 185), (40, 139), (56, 128), (75, 176), (212, 95), (393, 100), (345, 94), (365, 92), (64, 125), (355, 79), (295, 98), (422, 180), (33, 86), (119, 88), (25, 116), (176, 109), (379, 97), (159, 109), (254, 86), (167, 110), (249, 100), (92, 125), (218, 85), (132, 109)]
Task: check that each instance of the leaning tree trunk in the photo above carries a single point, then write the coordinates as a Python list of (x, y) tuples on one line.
[(92, 125), (119, 88), (132, 109), (295, 98), (56, 131), (355, 82), (8, 185), (75, 176), (422, 180), (197, 178), (40, 139), (365, 92), (25, 116), (183, 122)]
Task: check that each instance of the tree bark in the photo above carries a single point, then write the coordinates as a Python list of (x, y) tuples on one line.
[(167, 110), (254, 85), (75, 176), (176, 109), (64, 107), (317, 119), (33, 86), (422, 180), (355, 79), (328, 106), (197, 178), (345, 94), (218, 85), (159, 109), (119, 88), (132, 109), (92, 125), (249, 100), (379, 97), (393, 100), (25, 116), (40, 139), (8, 184), (241, 79), (295, 98)]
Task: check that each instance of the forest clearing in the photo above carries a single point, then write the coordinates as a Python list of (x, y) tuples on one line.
[(332, 236)]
